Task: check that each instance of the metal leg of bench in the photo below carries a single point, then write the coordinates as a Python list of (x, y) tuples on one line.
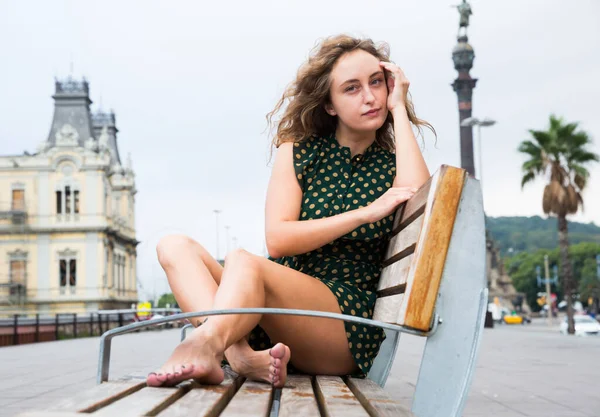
[(450, 354), (385, 358), (184, 331)]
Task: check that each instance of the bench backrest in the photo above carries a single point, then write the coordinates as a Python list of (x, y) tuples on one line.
[(416, 254), (435, 264)]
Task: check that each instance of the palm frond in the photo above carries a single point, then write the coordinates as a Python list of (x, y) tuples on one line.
[(580, 181), (528, 177), (535, 165), (582, 156), (530, 148), (543, 138)]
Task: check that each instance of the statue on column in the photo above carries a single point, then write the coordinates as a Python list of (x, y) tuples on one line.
[(464, 9)]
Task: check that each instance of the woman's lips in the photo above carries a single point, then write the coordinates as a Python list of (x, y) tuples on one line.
[(373, 112)]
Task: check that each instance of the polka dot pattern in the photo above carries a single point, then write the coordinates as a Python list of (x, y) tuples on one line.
[(334, 182)]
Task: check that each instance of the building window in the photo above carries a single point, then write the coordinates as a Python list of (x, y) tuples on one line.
[(67, 271), (67, 201), (17, 273), (76, 201), (18, 199), (59, 202)]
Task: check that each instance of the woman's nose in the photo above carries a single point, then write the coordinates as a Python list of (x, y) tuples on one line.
[(368, 95)]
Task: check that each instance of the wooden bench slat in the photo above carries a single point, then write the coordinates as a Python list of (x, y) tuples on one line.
[(416, 310), (252, 399), (298, 397), (412, 207), (336, 399), (205, 400), (403, 240), (375, 400), (149, 400), (395, 275), (99, 396), (386, 308)]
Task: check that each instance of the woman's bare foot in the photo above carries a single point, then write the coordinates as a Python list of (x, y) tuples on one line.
[(196, 358), (266, 365)]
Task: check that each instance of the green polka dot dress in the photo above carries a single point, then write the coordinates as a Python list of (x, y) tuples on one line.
[(333, 182)]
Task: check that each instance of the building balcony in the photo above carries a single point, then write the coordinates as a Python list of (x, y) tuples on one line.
[(19, 221), (13, 214), (11, 295)]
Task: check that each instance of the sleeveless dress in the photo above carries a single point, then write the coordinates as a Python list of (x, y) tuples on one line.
[(333, 182)]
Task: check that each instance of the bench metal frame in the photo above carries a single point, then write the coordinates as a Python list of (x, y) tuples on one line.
[(378, 374)]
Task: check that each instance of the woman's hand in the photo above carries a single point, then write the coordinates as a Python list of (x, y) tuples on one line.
[(397, 85), (387, 203)]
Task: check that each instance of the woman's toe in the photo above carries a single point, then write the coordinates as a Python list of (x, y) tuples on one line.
[(187, 369), (278, 351), (155, 380)]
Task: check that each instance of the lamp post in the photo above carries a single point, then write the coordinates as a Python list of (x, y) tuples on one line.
[(474, 121), (227, 238), (547, 281), (217, 224)]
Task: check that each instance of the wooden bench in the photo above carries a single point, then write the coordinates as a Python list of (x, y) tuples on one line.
[(432, 285)]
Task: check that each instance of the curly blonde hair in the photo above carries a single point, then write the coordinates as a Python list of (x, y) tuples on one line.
[(307, 95)]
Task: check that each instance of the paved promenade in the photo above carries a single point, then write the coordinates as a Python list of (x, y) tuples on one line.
[(522, 371)]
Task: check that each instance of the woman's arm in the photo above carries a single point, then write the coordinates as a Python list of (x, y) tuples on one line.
[(285, 234), (411, 170)]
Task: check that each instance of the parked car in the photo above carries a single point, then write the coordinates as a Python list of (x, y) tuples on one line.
[(584, 326)]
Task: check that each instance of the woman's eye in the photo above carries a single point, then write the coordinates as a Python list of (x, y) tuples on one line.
[(377, 80), (351, 88)]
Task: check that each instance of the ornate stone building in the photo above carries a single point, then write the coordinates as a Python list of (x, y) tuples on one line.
[(502, 291), (67, 218)]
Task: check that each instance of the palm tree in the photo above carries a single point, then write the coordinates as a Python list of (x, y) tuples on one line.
[(558, 155)]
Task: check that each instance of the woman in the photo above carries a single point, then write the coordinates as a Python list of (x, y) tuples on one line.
[(347, 157)]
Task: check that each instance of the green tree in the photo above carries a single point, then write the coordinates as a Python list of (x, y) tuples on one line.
[(521, 269), (165, 299), (559, 155), (589, 284)]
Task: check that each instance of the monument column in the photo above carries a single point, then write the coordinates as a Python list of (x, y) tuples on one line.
[(463, 56)]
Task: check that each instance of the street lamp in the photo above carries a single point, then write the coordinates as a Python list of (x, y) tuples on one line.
[(227, 238), (217, 223), (474, 121)]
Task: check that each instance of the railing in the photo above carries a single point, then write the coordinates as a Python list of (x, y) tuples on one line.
[(13, 213), (13, 293), (20, 220), (18, 328)]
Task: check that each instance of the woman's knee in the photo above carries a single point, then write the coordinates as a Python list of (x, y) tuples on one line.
[(170, 247), (240, 257)]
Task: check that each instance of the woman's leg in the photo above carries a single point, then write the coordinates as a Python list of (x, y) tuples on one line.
[(319, 345), (194, 276)]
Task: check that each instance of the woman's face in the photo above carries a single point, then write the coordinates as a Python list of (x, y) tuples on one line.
[(358, 92)]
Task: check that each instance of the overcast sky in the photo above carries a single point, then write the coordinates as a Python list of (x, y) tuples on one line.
[(191, 82)]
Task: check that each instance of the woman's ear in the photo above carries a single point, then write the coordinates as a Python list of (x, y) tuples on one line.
[(329, 109)]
